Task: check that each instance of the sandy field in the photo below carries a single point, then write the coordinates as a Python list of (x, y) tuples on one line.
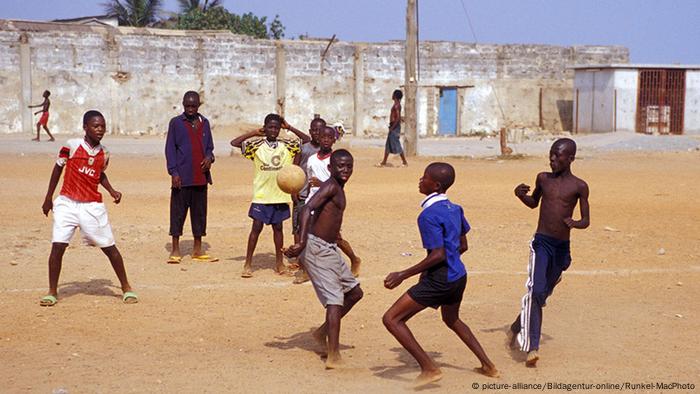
[(626, 311)]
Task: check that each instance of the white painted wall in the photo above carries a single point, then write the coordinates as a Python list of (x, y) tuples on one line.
[(691, 116), (626, 82)]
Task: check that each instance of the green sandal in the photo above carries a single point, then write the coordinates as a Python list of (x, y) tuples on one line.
[(48, 300), (130, 298)]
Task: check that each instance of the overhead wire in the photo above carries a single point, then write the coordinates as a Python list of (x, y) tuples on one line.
[(476, 48)]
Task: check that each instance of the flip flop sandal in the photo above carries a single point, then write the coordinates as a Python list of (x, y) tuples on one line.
[(285, 272), (174, 260), (48, 300), (205, 258), (130, 297)]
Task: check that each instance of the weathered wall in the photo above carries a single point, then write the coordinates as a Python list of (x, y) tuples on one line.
[(137, 78), (692, 102)]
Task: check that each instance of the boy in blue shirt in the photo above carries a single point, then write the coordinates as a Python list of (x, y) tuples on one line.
[(443, 229)]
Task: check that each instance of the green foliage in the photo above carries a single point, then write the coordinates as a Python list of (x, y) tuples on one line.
[(134, 12), (218, 18), (191, 5), (276, 28)]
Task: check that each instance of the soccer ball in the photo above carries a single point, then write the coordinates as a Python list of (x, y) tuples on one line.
[(291, 178)]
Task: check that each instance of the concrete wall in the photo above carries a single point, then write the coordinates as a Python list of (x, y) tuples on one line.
[(691, 116), (625, 84), (137, 78)]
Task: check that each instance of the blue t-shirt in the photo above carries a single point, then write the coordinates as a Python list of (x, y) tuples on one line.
[(441, 225)]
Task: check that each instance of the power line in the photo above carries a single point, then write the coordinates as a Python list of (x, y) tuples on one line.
[(476, 47)]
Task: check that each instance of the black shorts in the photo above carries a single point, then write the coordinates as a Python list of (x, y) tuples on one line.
[(433, 289), (194, 199)]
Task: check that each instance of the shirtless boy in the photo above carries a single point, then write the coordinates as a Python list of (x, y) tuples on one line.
[(335, 286), (559, 192)]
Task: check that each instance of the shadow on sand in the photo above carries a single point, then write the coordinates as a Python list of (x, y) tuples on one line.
[(409, 367), (96, 287)]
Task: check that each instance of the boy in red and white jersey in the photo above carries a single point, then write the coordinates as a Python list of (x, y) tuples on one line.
[(79, 204)]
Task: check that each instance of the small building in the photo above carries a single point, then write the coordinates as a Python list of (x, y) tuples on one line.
[(644, 98)]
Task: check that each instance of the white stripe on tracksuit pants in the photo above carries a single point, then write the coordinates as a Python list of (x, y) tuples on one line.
[(549, 257)]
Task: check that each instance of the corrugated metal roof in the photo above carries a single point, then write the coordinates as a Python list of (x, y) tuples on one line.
[(632, 66)]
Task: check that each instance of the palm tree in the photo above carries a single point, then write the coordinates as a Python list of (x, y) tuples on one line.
[(191, 5), (134, 12)]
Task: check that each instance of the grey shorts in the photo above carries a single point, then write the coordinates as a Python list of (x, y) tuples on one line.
[(327, 270)]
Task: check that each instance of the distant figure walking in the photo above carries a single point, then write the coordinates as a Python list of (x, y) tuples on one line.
[(393, 139), (44, 120)]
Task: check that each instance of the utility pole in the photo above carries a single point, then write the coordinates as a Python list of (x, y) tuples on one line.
[(410, 80)]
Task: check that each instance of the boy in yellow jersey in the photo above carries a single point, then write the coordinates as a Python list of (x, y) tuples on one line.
[(270, 204)]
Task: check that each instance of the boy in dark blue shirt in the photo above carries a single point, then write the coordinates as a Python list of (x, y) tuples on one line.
[(443, 278)]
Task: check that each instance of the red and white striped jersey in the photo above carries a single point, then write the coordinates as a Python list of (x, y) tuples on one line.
[(84, 166)]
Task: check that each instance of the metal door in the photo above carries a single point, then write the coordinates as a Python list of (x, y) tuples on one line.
[(661, 101), (447, 113)]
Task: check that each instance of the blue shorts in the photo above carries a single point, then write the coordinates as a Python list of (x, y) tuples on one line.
[(269, 213)]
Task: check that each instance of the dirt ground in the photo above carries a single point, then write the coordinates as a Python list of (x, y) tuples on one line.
[(626, 311)]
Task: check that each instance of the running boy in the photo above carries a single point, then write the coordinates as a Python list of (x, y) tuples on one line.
[(443, 277), (335, 286), (559, 191), (79, 205), (270, 204), (44, 120)]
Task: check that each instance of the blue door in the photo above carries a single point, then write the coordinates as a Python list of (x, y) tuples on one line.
[(447, 113)]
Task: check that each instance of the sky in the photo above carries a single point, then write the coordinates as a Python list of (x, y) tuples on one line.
[(655, 31)]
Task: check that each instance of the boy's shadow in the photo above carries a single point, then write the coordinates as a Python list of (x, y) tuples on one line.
[(409, 367), (515, 354), (260, 261), (96, 287), (186, 247), (302, 340)]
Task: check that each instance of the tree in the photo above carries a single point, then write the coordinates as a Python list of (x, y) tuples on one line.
[(219, 18), (191, 5), (276, 28), (134, 12)]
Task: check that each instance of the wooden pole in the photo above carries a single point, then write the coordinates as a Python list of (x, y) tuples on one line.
[(410, 82)]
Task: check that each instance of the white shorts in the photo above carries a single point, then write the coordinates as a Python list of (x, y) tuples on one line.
[(91, 217)]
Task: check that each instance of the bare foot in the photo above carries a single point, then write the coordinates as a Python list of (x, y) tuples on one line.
[(491, 372), (52, 139), (334, 361), (247, 272), (532, 358), (282, 270), (427, 377), (35, 139), (355, 266)]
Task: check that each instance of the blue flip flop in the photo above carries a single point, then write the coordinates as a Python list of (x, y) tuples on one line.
[(130, 297)]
